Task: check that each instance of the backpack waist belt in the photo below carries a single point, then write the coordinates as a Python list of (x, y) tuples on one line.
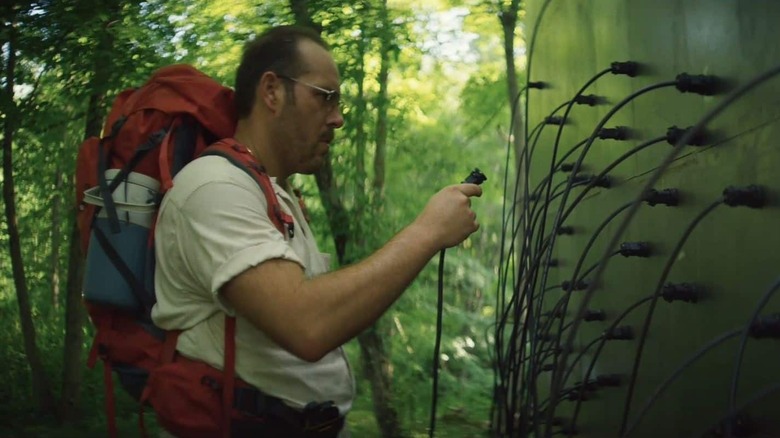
[(315, 418)]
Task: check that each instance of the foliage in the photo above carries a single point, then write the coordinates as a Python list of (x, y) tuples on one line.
[(446, 116)]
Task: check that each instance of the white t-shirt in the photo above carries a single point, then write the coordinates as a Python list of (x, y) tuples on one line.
[(213, 225)]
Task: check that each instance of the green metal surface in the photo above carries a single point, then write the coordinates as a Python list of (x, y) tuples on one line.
[(734, 253)]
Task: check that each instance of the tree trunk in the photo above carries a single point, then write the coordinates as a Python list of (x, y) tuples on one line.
[(40, 382), (508, 18), (72, 370), (378, 369), (382, 105), (373, 353), (73, 366), (56, 240)]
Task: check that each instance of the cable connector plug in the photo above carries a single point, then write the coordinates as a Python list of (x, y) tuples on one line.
[(752, 196), (557, 314), (604, 181), (565, 230), (705, 85), (628, 68), (475, 177), (618, 133), (609, 380), (766, 327), (553, 120), (567, 167), (635, 249), (675, 134), (575, 395), (668, 197), (594, 315), (568, 287), (588, 99), (569, 429), (538, 85), (687, 292), (620, 333)]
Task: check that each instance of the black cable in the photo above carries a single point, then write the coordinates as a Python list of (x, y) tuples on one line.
[(756, 396), (741, 350), (556, 384), (553, 161), (587, 248), (502, 279), (656, 294), (595, 180), (592, 365), (676, 373), (589, 143), (651, 182), (437, 344)]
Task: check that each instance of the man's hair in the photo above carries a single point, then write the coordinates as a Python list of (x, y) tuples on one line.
[(275, 50)]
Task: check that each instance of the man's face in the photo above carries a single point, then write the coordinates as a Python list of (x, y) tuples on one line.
[(313, 114)]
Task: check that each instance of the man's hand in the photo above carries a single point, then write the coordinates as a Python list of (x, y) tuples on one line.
[(448, 218)]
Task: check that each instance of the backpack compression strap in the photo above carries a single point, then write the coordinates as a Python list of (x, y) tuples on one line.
[(240, 156)]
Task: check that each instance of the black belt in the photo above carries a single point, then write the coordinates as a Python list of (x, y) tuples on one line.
[(315, 420)]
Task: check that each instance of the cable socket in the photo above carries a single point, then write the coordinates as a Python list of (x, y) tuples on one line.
[(668, 197), (752, 196), (687, 292), (618, 133), (705, 85), (628, 68), (675, 134), (766, 327), (635, 249), (619, 333), (594, 315), (579, 285)]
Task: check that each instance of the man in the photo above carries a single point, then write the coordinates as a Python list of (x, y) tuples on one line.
[(218, 251)]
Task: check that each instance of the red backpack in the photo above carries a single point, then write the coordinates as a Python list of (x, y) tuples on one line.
[(150, 134)]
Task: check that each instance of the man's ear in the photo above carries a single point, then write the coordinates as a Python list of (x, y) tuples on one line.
[(270, 91)]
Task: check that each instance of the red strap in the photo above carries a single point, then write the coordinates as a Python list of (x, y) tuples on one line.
[(108, 383), (229, 370), (141, 424), (168, 351), (302, 204), (166, 180), (240, 156)]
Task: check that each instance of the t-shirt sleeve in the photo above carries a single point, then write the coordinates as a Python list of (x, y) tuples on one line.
[(228, 231)]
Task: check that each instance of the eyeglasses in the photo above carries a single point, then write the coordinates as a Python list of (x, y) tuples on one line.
[(332, 98)]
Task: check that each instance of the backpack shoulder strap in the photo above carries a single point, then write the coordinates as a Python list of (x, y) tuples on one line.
[(240, 156)]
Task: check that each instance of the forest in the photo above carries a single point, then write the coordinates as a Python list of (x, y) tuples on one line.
[(428, 89)]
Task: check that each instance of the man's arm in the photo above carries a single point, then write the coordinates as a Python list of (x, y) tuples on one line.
[(311, 317)]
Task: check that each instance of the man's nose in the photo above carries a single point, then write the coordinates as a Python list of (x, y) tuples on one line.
[(335, 118)]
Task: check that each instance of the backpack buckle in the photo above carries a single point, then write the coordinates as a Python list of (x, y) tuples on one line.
[(320, 417)]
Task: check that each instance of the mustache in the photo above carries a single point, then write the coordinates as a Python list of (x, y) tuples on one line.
[(328, 137)]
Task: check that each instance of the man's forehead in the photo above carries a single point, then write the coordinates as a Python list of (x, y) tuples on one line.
[(318, 60)]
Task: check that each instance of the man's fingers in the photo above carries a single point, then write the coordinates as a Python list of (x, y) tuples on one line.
[(469, 189)]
